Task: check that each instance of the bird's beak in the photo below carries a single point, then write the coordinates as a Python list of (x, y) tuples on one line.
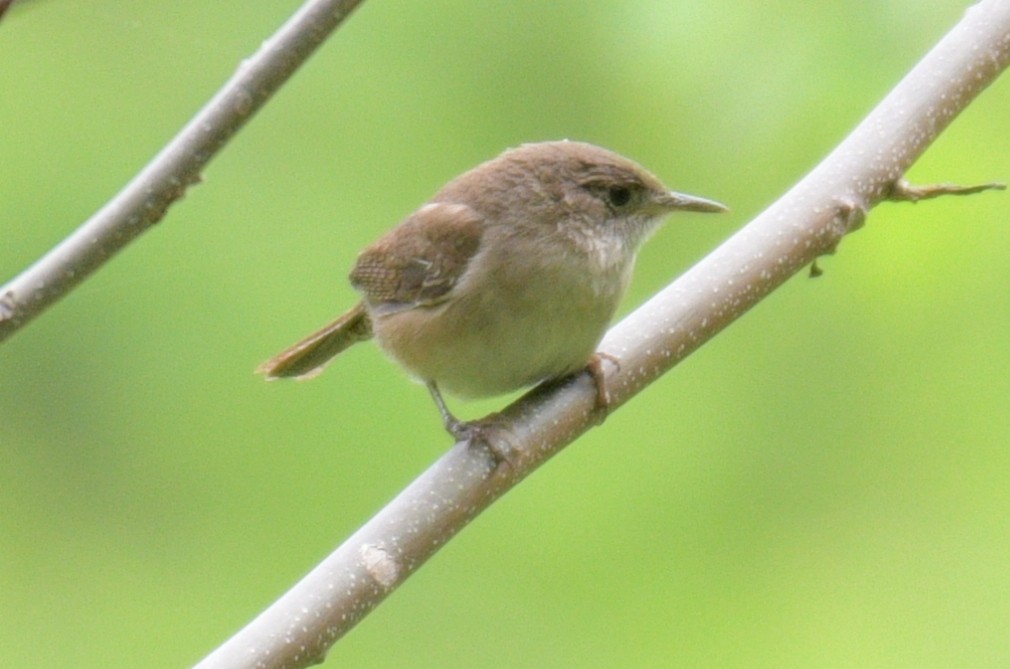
[(682, 202)]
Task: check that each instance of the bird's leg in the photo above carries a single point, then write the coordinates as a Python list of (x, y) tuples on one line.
[(475, 432), (596, 371), (460, 430)]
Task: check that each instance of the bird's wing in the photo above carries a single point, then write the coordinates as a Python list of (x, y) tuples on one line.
[(418, 262)]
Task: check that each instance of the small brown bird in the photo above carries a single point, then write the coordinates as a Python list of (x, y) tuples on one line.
[(507, 277)]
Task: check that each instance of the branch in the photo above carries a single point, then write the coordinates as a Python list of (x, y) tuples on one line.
[(902, 191), (144, 201), (810, 220)]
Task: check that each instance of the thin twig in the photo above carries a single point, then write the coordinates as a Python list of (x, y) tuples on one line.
[(902, 191), (810, 220), (145, 199)]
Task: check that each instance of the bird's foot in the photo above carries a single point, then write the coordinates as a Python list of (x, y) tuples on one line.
[(596, 370), (486, 432)]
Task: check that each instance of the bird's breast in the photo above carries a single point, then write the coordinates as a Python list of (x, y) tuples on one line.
[(512, 321)]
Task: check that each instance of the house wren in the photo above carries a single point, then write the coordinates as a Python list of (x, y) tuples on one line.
[(507, 277)]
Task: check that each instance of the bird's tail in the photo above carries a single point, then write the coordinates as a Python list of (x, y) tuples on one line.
[(307, 358)]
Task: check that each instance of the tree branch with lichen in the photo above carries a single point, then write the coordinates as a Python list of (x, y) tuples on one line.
[(807, 222)]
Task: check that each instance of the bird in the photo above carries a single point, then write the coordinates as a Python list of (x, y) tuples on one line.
[(506, 278)]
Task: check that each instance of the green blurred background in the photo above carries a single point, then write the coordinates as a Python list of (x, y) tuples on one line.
[(825, 484)]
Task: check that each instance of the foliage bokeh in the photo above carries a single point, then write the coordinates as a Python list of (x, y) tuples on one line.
[(825, 484)]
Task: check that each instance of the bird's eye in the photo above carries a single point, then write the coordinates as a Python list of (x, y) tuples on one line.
[(618, 196)]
